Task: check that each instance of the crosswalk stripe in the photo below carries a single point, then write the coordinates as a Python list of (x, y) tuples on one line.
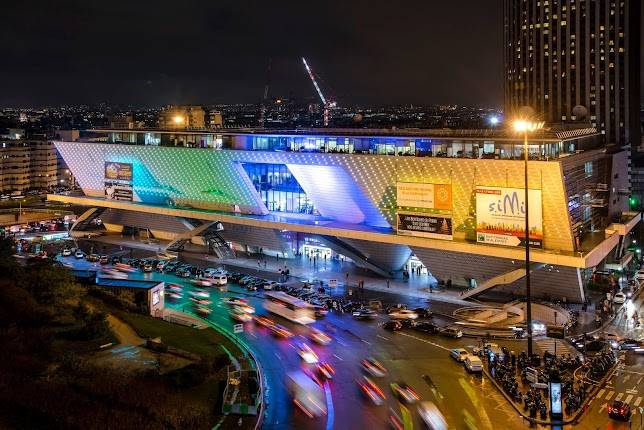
[(637, 401), (601, 393), (619, 397), (628, 398), (609, 395)]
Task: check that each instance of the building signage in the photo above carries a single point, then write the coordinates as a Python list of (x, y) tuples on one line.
[(425, 225), (118, 191), (420, 195), (118, 171), (500, 216)]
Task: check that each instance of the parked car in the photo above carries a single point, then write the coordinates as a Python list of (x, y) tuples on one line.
[(619, 298), (392, 325), (458, 354), (93, 258), (66, 252), (426, 327), (103, 259), (451, 332), (628, 344), (79, 254), (473, 364), (423, 312)]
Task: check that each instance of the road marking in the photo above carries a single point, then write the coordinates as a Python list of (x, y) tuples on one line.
[(279, 357), (382, 337), (602, 407), (609, 395), (601, 393), (329, 406), (338, 357), (626, 378), (637, 401), (632, 391), (628, 398), (340, 341), (619, 397), (639, 381), (368, 343), (423, 340)]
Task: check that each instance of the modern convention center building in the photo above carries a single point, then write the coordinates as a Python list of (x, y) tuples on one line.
[(448, 201)]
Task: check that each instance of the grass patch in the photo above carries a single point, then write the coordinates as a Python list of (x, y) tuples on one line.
[(204, 342)]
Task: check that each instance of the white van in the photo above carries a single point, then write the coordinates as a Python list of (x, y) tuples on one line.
[(219, 279), (473, 364)]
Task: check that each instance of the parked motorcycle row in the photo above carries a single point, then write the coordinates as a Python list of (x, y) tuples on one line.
[(600, 364)]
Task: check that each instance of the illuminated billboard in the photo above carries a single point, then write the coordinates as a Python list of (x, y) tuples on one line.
[(425, 225), (420, 195), (118, 191), (500, 216), (118, 171)]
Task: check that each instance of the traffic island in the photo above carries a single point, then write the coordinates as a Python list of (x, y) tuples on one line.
[(566, 418)]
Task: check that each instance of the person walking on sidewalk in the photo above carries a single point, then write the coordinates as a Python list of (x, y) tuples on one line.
[(387, 283)]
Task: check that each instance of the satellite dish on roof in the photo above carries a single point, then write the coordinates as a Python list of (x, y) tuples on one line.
[(526, 112), (579, 112)]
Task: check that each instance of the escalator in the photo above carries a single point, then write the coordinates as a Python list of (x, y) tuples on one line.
[(354, 254)]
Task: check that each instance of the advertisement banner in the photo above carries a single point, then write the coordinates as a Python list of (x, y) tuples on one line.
[(118, 191), (118, 171), (428, 196), (425, 225), (500, 216)]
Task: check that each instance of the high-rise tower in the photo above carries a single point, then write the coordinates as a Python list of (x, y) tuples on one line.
[(565, 53)]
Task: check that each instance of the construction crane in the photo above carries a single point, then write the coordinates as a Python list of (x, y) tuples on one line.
[(262, 109), (327, 103)]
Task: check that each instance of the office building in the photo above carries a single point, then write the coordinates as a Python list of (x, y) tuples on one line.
[(449, 200), (182, 117), (560, 54)]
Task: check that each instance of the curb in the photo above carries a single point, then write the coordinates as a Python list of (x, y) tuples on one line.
[(582, 408), (247, 351)]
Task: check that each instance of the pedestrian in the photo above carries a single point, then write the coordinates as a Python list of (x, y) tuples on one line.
[(387, 283), (346, 278), (264, 264)]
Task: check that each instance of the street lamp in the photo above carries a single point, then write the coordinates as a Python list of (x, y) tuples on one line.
[(525, 126)]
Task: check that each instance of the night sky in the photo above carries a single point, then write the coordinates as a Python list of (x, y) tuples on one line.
[(159, 52)]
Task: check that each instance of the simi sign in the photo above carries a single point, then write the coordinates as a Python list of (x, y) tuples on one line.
[(500, 216)]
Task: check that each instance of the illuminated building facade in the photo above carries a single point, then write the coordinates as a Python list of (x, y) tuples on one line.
[(452, 200)]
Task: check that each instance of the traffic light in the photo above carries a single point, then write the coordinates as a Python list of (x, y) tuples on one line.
[(632, 202)]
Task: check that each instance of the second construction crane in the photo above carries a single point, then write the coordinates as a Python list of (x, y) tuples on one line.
[(326, 102)]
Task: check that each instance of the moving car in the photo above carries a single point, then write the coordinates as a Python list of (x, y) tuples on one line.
[(458, 354), (104, 259), (364, 314), (307, 394), (240, 316), (147, 267), (400, 314), (373, 367), (619, 298), (473, 364), (324, 370), (306, 353), (319, 337), (431, 416), (66, 252), (404, 392), (640, 275), (371, 391), (281, 331), (451, 332), (263, 321), (392, 325), (619, 411)]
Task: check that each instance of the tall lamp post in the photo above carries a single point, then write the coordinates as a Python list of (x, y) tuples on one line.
[(525, 126)]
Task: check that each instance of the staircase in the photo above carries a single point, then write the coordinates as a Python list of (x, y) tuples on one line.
[(354, 254), (548, 344), (502, 279), (84, 221), (208, 230)]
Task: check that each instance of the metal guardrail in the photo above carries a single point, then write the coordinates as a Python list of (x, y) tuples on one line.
[(247, 351)]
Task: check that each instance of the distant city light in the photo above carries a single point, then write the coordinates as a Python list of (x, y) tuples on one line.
[(494, 120), (178, 119)]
